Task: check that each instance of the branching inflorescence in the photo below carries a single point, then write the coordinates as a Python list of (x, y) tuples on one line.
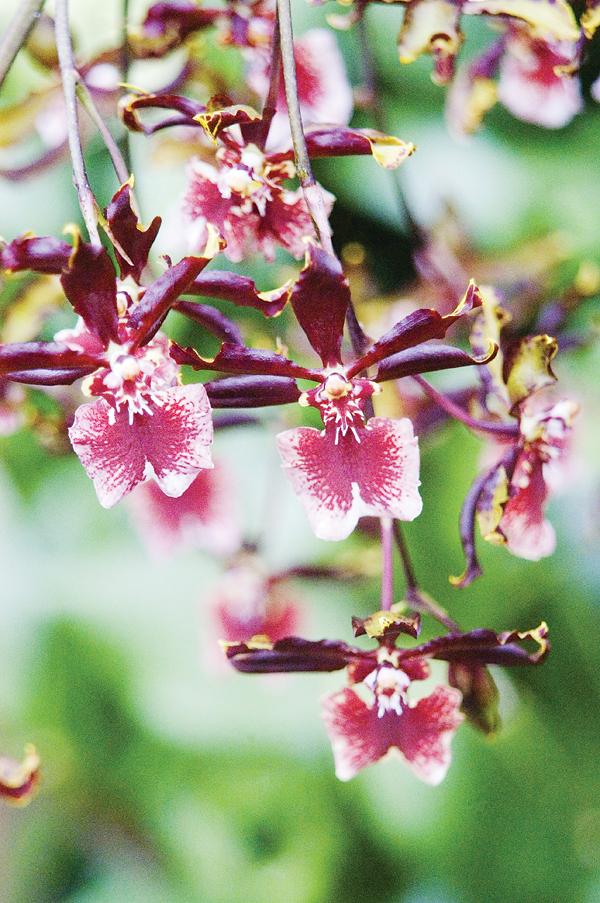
[(149, 426)]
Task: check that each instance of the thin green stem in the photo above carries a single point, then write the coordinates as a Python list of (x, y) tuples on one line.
[(70, 78), (124, 64), (312, 192), (87, 102), (270, 106), (419, 600), (409, 574), (16, 34)]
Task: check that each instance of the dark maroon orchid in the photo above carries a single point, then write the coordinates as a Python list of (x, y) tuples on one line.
[(351, 468), (145, 424), (362, 732), (508, 499)]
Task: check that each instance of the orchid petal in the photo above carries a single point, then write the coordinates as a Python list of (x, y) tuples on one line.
[(91, 287), (168, 444), (339, 483), (42, 255), (239, 359), (135, 240), (546, 17), (320, 299), (422, 734), (241, 290)]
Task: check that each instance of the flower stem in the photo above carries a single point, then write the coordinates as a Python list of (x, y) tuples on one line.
[(312, 192), (503, 430), (271, 100), (124, 63), (415, 596), (409, 574), (70, 78), (387, 564), (16, 34), (87, 102)]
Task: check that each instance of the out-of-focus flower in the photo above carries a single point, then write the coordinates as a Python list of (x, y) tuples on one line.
[(205, 516), (324, 92), (248, 602), (536, 82), (519, 501), (364, 730), (244, 198), (19, 780)]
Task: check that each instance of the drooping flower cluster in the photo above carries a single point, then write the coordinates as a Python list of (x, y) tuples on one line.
[(508, 500), (148, 430)]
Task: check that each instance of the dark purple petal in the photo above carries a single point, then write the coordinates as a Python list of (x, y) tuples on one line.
[(483, 647), (320, 299), (91, 287), (482, 484), (42, 255), (252, 391), (342, 141), (185, 108), (479, 695), (167, 25), (132, 238), (426, 359), (48, 377), (161, 296), (294, 654), (420, 326), (241, 290), (24, 356), (239, 359)]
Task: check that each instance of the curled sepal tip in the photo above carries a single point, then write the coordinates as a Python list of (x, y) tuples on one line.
[(387, 625)]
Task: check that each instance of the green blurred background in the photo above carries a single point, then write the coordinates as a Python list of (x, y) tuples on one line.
[(168, 779)]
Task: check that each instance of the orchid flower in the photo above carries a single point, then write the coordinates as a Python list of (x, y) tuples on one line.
[(363, 732), (145, 424), (509, 498), (355, 466)]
